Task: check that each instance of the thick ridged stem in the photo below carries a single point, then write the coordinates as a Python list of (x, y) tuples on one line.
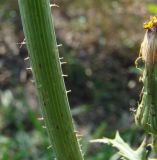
[(42, 47)]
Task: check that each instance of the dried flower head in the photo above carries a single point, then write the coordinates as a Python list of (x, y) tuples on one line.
[(149, 44)]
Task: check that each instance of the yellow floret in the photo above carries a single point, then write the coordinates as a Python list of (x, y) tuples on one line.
[(151, 23)]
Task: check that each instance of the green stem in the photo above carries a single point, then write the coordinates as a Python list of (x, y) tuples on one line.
[(41, 43)]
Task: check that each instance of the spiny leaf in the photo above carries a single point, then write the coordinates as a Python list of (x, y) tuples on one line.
[(125, 150)]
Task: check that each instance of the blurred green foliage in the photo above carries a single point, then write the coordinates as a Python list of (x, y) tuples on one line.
[(152, 8), (18, 138)]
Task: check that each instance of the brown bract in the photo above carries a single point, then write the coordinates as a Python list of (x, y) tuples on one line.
[(149, 47)]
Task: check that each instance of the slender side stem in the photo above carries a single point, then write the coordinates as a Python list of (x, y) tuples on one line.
[(41, 43)]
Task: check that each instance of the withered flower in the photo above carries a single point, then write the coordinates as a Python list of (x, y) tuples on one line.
[(146, 115)]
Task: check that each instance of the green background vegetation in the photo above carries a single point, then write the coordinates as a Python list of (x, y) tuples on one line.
[(100, 41)]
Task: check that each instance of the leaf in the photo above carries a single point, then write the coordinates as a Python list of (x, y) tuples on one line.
[(125, 150)]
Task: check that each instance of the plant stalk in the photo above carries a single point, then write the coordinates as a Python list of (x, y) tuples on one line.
[(44, 57)]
